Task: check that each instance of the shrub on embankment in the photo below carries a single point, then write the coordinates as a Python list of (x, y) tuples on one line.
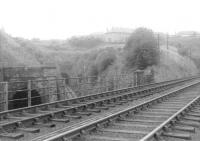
[(141, 49)]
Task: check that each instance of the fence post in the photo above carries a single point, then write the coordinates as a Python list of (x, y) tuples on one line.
[(57, 89), (47, 91), (136, 79), (29, 93), (65, 92), (6, 96)]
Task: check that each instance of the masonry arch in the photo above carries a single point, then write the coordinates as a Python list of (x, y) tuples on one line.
[(19, 99)]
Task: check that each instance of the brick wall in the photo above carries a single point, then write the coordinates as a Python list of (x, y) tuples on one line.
[(43, 80)]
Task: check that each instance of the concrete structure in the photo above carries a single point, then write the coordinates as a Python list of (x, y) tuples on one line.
[(33, 85), (26, 73)]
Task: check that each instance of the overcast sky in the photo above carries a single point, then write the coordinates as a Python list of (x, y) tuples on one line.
[(60, 19)]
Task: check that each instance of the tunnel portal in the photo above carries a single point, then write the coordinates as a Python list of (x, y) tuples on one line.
[(20, 100)]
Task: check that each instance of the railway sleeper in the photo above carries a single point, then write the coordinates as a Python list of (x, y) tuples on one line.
[(119, 103), (184, 128), (83, 113), (178, 135), (142, 121), (65, 106), (49, 125), (198, 108), (164, 108), (29, 130), (12, 135), (193, 114), (17, 117), (65, 120), (155, 113), (173, 105), (110, 105), (94, 110), (125, 100), (189, 123), (32, 114), (43, 111), (130, 126), (195, 111), (103, 138), (122, 133), (70, 116), (102, 107), (191, 118), (55, 109), (149, 117), (78, 104)]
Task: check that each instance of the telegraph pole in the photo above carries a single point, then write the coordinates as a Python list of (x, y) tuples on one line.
[(190, 50), (158, 41), (158, 45), (1, 61), (167, 41)]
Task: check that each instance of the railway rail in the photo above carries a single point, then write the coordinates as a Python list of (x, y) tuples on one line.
[(15, 123), (164, 115)]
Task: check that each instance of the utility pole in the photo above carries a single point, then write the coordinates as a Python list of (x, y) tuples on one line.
[(167, 41), (190, 52), (1, 61), (158, 42), (0, 50)]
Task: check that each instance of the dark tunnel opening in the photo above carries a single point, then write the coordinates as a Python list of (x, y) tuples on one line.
[(20, 99)]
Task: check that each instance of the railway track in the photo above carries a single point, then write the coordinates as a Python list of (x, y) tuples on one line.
[(167, 115), (16, 123)]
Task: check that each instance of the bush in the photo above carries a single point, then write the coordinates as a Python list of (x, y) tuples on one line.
[(141, 50), (86, 42), (103, 61)]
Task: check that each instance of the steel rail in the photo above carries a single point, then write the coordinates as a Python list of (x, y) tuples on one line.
[(92, 125), (171, 82), (113, 96), (52, 113), (158, 131)]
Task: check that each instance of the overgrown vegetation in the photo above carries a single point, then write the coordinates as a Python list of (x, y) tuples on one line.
[(85, 42), (141, 50), (188, 46), (81, 56)]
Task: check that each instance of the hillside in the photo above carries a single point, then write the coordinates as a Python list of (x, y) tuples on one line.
[(188, 46), (13, 54), (173, 65), (105, 60)]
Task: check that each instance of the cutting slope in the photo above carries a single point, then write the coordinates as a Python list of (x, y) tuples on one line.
[(173, 65), (13, 54)]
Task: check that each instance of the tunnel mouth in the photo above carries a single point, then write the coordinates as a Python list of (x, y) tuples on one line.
[(20, 99)]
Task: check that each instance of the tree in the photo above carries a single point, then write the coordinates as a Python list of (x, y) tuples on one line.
[(85, 42), (141, 50)]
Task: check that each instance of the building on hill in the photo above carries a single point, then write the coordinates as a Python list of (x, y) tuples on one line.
[(117, 35)]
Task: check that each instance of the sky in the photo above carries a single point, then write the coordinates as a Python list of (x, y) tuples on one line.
[(61, 19)]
